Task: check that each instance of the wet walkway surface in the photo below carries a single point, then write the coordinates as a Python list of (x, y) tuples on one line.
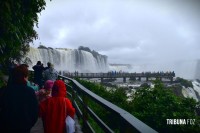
[(38, 127)]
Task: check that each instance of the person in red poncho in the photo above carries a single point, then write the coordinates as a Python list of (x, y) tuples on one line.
[(54, 110)]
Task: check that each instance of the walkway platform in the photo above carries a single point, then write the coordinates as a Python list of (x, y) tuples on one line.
[(38, 127)]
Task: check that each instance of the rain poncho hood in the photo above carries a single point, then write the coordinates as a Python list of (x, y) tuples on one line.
[(59, 89)]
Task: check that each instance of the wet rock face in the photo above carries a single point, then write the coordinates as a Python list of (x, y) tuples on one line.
[(177, 89), (145, 85), (192, 91)]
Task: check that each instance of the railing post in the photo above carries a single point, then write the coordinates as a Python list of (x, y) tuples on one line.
[(124, 79), (63, 79), (147, 78), (171, 79), (101, 80), (73, 92), (125, 127), (85, 114)]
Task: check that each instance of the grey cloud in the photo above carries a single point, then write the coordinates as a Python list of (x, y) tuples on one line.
[(126, 31)]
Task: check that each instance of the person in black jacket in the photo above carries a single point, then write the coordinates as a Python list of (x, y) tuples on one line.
[(19, 105), (38, 70)]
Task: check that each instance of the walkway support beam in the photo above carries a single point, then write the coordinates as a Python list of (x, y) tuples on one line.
[(101, 79), (124, 79)]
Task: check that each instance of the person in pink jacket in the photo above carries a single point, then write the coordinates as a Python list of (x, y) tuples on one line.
[(45, 92)]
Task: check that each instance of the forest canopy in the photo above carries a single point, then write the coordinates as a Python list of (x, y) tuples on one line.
[(17, 21)]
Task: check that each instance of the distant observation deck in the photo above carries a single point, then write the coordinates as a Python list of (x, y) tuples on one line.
[(136, 76)]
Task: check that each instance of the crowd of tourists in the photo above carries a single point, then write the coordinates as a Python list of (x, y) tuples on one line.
[(22, 101)]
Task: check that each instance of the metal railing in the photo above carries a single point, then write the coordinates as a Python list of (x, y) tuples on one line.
[(118, 75), (80, 96)]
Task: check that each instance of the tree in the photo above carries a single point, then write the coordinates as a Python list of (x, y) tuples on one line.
[(17, 19), (42, 47), (184, 82), (84, 48), (155, 105), (152, 106)]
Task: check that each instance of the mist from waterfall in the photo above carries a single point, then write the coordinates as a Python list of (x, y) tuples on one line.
[(69, 60), (187, 69)]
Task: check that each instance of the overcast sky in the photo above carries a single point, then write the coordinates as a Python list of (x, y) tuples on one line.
[(127, 31)]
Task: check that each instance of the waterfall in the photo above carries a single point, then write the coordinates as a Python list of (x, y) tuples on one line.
[(192, 92), (189, 92), (69, 60)]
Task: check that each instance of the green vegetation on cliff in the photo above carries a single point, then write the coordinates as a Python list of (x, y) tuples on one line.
[(184, 82), (153, 106)]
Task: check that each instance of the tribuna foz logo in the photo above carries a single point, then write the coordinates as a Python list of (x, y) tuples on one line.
[(180, 121)]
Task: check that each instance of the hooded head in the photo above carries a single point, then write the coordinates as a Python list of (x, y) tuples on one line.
[(49, 64), (48, 85), (39, 63), (59, 89), (20, 74)]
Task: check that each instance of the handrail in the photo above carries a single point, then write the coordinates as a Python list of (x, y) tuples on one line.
[(128, 123), (118, 75)]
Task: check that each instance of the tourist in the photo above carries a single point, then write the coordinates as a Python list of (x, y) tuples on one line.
[(19, 106), (38, 69), (50, 73), (45, 92), (54, 110), (48, 66), (34, 86)]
